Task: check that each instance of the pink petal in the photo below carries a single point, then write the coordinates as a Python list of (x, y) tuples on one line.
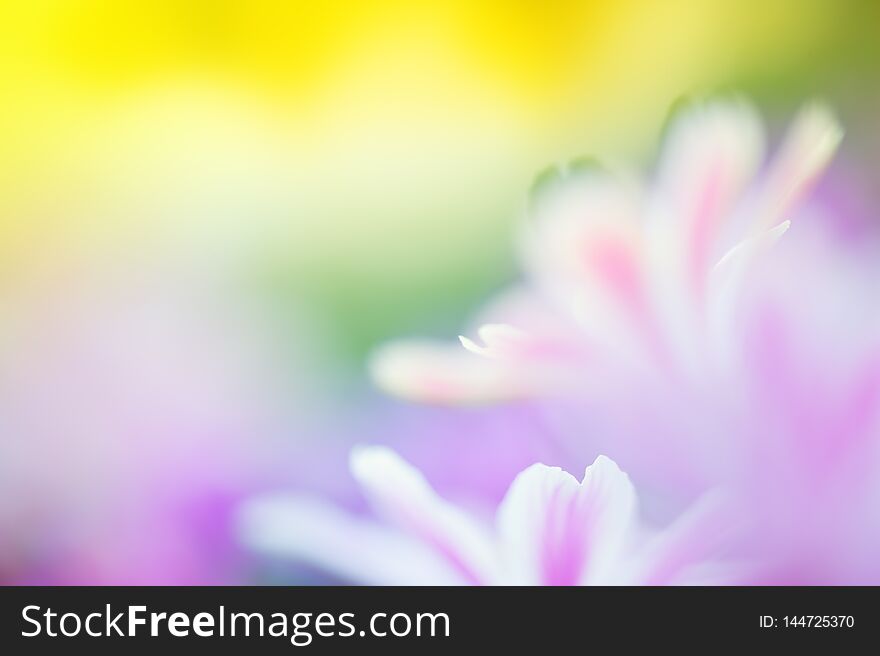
[(711, 154), (554, 530)]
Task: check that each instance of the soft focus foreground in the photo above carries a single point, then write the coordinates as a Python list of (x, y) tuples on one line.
[(214, 217)]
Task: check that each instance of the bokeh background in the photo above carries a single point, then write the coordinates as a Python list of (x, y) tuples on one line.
[(211, 212)]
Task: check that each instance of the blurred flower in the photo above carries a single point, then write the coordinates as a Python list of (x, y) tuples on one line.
[(620, 276), (550, 529), (659, 327)]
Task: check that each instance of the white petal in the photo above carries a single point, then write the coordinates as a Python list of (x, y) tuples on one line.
[(402, 496), (711, 154), (727, 275), (809, 146), (554, 530), (353, 549), (718, 144), (736, 256), (499, 341), (438, 372), (585, 209), (725, 283), (585, 253)]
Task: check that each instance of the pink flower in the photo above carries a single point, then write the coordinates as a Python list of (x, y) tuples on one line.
[(550, 529), (672, 328), (624, 277)]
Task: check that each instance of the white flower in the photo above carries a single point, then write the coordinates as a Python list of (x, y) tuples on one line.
[(550, 529)]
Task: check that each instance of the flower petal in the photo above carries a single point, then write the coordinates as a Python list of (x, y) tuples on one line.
[(353, 549), (691, 550), (402, 496), (585, 252), (809, 146), (437, 372), (725, 283), (500, 340), (711, 154), (554, 530), (505, 342)]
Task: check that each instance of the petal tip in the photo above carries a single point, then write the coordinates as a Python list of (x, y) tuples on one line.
[(365, 460)]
